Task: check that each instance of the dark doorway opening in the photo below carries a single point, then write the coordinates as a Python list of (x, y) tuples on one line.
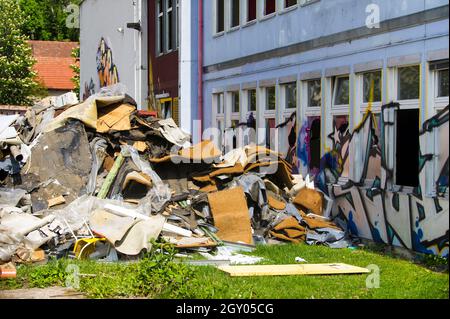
[(314, 145), (407, 149)]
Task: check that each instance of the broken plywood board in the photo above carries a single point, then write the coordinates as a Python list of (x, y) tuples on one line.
[(231, 217), (293, 270)]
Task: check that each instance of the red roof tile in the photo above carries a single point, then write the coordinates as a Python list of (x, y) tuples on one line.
[(53, 63)]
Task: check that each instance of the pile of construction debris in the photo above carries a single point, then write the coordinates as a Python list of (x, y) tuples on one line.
[(99, 180)]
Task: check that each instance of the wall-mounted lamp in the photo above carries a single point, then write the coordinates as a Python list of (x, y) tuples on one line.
[(120, 30), (134, 25)]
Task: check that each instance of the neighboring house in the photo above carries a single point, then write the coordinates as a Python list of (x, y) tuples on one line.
[(316, 78), (53, 65)]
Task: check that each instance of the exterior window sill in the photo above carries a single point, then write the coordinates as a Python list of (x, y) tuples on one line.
[(233, 29), (219, 34), (250, 23), (289, 9), (267, 17)]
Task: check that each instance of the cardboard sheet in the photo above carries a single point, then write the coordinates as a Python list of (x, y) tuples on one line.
[(231, 217), (293, 270), (311, 200), (114, 118)]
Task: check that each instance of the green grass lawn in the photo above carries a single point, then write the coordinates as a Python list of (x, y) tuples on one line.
[(398, 278), (162, 279)]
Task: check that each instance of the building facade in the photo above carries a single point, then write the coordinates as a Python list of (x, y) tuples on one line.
[(354, 93)]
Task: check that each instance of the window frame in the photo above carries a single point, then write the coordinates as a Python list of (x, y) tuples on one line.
[(162, 27), (290, 8), (340, 109), (268, 15), (230, 14), (216, 32), (312, 112), (390, 115), (267, 114), (409, 103), (360, 79), (247, 10)]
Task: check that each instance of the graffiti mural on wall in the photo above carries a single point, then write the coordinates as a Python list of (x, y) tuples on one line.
[(287, 131), (106, 69), (372, 208), (89, 89)]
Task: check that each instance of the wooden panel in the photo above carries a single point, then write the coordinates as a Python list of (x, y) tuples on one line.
[(293, 270)]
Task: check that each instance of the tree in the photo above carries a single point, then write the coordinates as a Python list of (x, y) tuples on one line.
[(46, 20), (17, 78), (76, 69)]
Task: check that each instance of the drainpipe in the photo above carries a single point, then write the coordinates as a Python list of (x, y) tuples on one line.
[(200, 65)]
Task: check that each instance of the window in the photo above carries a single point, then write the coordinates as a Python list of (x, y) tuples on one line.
[(219, 117), (251, 10), (161, 26), (178, 24), (270, 99), (290, 3), (408, 83), (167, 25), (269, 117), (170, 22), (269, 7), (235, 106), (220, 16), (407, 148), (312, 98), (372, 82), (342, 91), (290, 91), (443, 83), (314, 93), (251, 96), (235, 13)]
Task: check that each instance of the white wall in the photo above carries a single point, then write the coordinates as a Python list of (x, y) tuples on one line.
[(103, 18)]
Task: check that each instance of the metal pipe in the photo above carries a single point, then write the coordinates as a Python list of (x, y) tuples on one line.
[(16, 153), (200, 65)]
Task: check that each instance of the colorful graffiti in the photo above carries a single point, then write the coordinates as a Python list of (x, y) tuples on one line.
[(89, 89), (106, 69), (369, 203), (287, 131)]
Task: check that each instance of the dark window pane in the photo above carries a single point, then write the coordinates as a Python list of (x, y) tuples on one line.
[(270, 99), (341, 123), (342, 96), (236, 13), (314, 144), (270, 133), (289, 3), (291, 95), (161, 34), (220, 15), (235, 102), (372, 79), (170, 31), (443, 83), (270, 7), (251, 10), (252, 100), (408, 83), (314, 93)]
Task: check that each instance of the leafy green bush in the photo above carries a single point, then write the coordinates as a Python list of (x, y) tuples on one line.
[(52, 274)]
